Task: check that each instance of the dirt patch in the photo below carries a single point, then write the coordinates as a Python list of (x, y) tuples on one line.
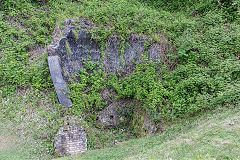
[(219, 142), (37, 52), (7, 142), (232, 123)]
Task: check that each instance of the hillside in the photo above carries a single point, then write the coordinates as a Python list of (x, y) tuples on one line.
[(132, 69), (214, 135)]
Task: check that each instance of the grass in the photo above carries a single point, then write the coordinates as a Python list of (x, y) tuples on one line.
[(16, 146), (213, 135), (31, 119), (28, 122)]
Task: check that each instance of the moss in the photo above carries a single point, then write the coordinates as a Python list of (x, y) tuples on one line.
[(138, 124), (75, 32), (61, 34), (68, 49), (65, 74)]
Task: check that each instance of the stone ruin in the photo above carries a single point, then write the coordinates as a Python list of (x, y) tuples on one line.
[(75, 44), (70, 140), (113, 115)]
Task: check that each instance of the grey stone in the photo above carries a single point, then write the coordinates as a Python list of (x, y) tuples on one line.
[(113, 114), (59, 84), (75, 44), (109, 117), (149, 127), (70, 140)]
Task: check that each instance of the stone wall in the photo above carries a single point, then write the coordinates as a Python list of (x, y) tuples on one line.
[(70, 140), (74, 44)]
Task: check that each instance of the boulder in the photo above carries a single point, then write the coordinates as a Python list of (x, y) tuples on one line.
[(127, 112), (113, 114)]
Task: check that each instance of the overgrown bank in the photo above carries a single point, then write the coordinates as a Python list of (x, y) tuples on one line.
[(205, 35), (213, 135)]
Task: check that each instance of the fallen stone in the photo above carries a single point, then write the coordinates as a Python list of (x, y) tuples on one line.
[(59, 84)]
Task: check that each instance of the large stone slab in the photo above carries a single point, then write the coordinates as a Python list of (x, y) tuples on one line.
[(57, 78)]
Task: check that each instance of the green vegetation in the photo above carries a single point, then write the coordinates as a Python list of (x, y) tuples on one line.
[(208, 63), (14, 147), (205, 36), (214, 134), (94, 82)]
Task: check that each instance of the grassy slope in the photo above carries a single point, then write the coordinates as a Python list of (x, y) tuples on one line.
[(26, 126), (214, 135), (18, 147)]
